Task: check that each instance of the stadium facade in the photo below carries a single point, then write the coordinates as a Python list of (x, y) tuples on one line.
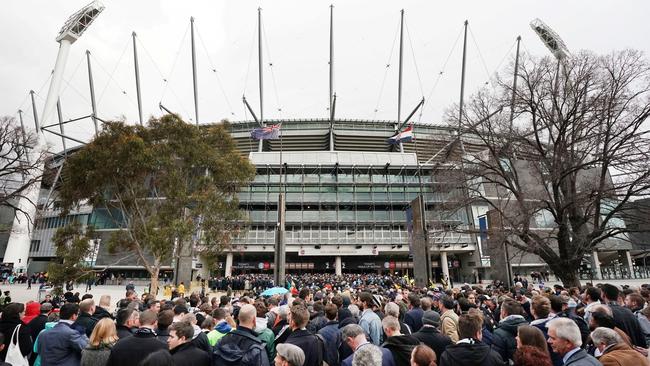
[(347, 191)]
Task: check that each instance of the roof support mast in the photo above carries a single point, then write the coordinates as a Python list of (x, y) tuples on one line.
[(260, 71), (92, 92), (462, 88), (137, 77), (196, 89), (399, 83), (331, 64)]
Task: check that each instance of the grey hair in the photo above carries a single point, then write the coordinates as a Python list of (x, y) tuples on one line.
[(368, 355), (283, 311), (392, 309), (566, 329), (602, 308), (606, 336), (354, 310), (390, 322), (351, 331)]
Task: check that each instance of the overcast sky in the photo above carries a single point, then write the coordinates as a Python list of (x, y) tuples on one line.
[(295, 57)]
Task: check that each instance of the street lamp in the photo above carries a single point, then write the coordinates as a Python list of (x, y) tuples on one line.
[(17, 251)]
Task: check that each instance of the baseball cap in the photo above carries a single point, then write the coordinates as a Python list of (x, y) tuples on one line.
[(431, 317)]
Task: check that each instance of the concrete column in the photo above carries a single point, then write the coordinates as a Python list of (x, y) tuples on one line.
[(229, 257), (443, 264), (338, 269), (595, 265), (626, 258)]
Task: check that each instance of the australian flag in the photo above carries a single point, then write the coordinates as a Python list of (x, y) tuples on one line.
[(266, 133)]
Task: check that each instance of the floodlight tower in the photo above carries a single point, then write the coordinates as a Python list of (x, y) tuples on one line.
[(17, 251), (551, 39)]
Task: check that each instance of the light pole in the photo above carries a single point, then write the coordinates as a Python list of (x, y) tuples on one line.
[(17, 251)]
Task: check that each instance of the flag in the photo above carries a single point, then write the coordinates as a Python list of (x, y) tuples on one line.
[(266, 133), (404, 136)]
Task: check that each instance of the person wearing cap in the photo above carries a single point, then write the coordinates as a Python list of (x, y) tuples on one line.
[(430, 334), (370, 321), (38, 323), (289, 355)]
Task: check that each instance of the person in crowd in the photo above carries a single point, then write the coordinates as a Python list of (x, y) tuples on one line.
[(601, 316), (413, 318), (131, 350), (289, 355), (423, 356), (565, 340), (614, 352), (86, 322), (32, 309), (318, 318), (469, 350), (354, 336), (532, 348), (399, 345), (62, 345), (102, 340), (331, 336), (591, 298), (503, 341), (158, 358), (126, 321), (10, 319), (301, 337), (38, 323), (370, 321), (242, 342), (393, 309), (199, 339), (367, 356), (262, 330), (165, 319), (281, 320), (183, 350), (448, 318), (623, 317), (101, 310), (430, 335), (221, 328), (635, 302)]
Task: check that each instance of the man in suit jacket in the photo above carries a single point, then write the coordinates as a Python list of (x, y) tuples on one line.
[(623, 317), (413, 317), (565, 339), (62, 345)]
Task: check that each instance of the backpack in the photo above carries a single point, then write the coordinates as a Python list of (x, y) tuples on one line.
[(229, 354), (321, 346)]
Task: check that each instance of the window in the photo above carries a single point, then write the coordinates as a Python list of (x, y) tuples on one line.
[(35, 246)]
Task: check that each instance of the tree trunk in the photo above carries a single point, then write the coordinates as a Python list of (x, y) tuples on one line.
[(154, 272), (567, 273)]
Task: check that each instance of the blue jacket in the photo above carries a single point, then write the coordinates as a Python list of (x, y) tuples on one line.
[(386, 357), (413, 319), (332, 336), (371, 324), (61, 346), (582, 358)]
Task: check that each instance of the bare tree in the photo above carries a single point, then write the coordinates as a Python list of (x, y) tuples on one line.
[(20, 165), (573, 151)]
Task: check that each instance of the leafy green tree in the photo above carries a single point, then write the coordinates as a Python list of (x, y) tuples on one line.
[(163, 186), (73, 250)]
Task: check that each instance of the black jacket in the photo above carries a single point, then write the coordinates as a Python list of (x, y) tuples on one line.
[(36, 325), (310, 344), (188, 355), (201, 342), (243, 338), (130, 351), (503, 341), (163, 335), (101, 313), (7, 327), (85, 323), (432, 337), (401, 347), (627, 322), (123, 331), (477, 354), (344, 350)]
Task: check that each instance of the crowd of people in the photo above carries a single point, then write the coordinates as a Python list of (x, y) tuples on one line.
[(359, 320)]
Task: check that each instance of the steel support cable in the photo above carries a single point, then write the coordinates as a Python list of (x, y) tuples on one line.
[(275, 84), (171, 72), (29, 112), (111, 79), (480, 55), (216, 74), (417, 70), (383, 82), (444, 67), (162, 76)]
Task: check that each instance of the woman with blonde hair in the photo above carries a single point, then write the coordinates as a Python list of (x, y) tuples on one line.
[(102, 340)]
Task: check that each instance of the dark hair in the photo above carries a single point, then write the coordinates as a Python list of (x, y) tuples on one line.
[(464, 304), (183, 329), (603, 319), (224, 300), (593, 292), (556, 303), (86, 296), (165, 319), (219, 313), (637, 299), (367, 298), (532, 336), (337, 300), (541, 305), (299, 315), (260, 308), (273, 301), (12, 310), (304, 292), (414, 300), (424, 356), (447, 302), (331, 311), (180, 309), (469, 324), (531, 356), (122, 316), (511, 307), (610, 291), (67, 311), (2, 338), (159, 358)]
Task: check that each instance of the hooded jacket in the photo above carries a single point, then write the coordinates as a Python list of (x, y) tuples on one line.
[(266, 335), (475, 354), (401, 347), (504, 341), (32, 310), (221, 329)]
